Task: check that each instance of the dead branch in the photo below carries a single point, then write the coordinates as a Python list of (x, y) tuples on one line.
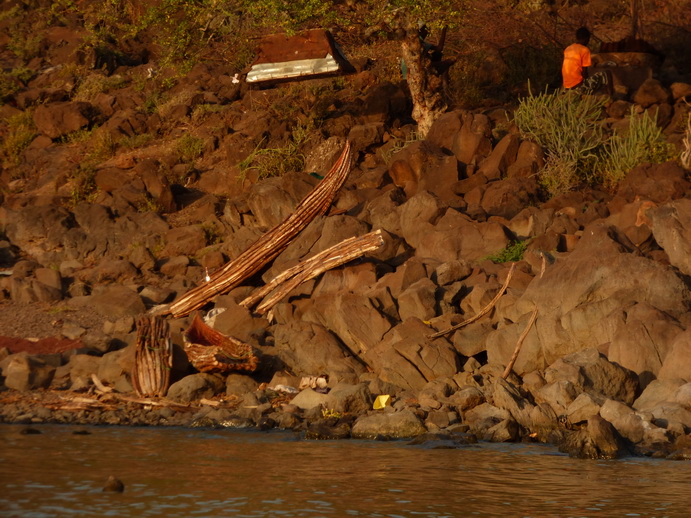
[(519, 343), (484, 311), (153, 357), (333, 257), (521, 338), (267, 247)]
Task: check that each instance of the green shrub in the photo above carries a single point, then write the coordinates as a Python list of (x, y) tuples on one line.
[(20, 132), (643, 142), (277, 161), (95, 84), (84, 184), (102, 146), (567, 126), (513, 252), (188, 148)]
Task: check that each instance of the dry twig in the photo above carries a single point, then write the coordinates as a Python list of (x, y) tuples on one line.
[(519, 343), (524, 334), (484, 311)]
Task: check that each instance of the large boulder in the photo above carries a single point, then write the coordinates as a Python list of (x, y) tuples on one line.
[(579, 300), (352, 317), (644, 337), (407, 357), (422, 166), (24, 372), (309, 349), (672, 231), (591, 372), (391, 425), (454, 236), (677, 363), (58, 119), (598, 440), (194, 387)]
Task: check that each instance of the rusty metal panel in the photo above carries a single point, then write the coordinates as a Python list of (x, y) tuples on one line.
[(288, 69), (306, 54)]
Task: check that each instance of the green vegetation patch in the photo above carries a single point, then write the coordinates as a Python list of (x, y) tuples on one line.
[(570, 128), (188, 148), (20, 133), (513, 252)]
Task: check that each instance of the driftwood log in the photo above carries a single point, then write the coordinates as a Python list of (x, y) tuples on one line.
[(153, 357), (267, 247), (211, 351), (337, 255)]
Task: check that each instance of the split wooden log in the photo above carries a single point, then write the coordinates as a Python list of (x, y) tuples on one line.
[(267, 247), (153, 357), (211, 351), (484, 311), (333, 257)]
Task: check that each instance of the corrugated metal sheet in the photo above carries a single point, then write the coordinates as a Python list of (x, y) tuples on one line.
[(288, 69), (311, 53)]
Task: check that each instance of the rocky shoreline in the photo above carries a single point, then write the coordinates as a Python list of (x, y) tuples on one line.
[(575, 309)]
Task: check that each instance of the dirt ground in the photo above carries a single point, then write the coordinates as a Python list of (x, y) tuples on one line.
[(37, 328)]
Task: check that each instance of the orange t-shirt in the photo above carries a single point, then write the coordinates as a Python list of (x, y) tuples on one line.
[(576, 58)]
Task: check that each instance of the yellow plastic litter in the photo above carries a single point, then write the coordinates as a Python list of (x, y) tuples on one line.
[(382, 402)]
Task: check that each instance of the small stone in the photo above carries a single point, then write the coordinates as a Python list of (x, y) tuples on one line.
[(114, 484)]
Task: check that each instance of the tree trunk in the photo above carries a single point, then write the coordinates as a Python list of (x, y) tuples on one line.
[(425, 86)]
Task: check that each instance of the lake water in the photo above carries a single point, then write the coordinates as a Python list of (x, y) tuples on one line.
[(204, 473)]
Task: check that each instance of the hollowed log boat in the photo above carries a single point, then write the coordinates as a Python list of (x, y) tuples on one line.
[(211, 351)]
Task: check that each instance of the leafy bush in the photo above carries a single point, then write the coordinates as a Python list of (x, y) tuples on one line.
[(513, 252), (188, 148), (568, 127), (643, 142)]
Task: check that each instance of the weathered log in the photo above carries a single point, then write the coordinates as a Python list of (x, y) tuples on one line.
[(211, 351), (267, 247), (339, 254), (153, 357)]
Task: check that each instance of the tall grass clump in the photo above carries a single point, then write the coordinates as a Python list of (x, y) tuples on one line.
[(568, 127), (20, 132), (188, 148), (643, 142), (279, 160)]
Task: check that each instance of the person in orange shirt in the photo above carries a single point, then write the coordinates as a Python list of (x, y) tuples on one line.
[(574, 70)]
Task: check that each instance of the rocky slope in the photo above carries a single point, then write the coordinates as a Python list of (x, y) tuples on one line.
[(114, 210)]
